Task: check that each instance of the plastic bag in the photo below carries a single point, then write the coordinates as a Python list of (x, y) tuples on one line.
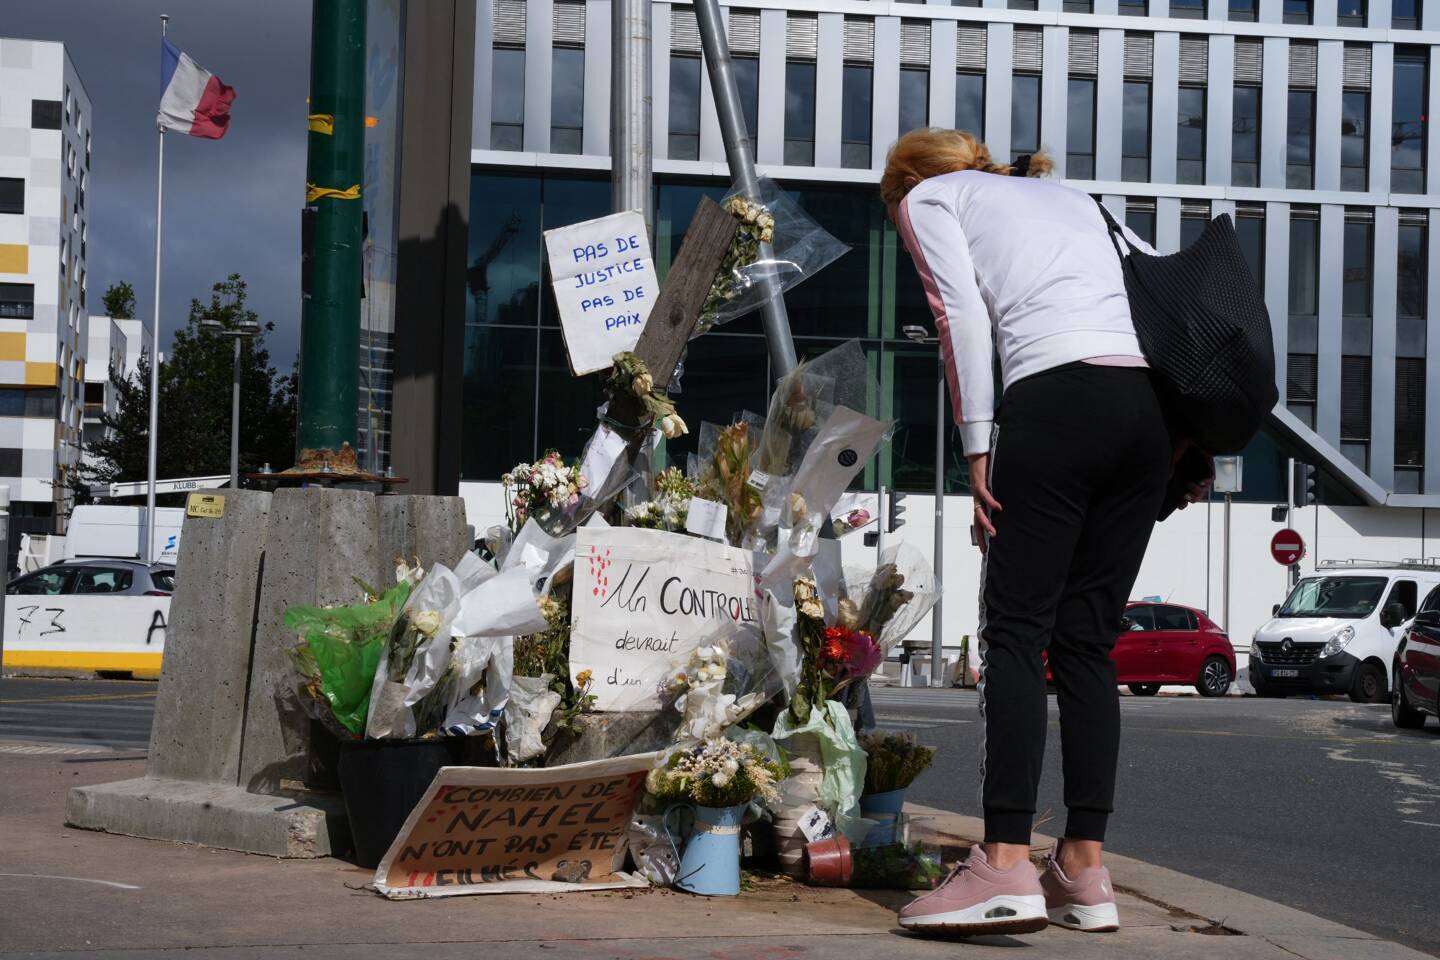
[(527, 714), (483, 667), (878, 593), (844, 763), (776, 241), (652, 849), (339, 650)]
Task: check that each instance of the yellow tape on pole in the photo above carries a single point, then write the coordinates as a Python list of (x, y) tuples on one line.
[(313, 193), (322, 123)]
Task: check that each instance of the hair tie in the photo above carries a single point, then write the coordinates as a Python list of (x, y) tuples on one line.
[(1021, 166)]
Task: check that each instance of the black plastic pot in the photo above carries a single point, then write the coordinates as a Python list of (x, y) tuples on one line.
[(382, 781)]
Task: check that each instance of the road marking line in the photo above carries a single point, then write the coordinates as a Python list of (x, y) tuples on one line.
[(1421, 823), (79, 697), (48, 876), (49, 750), (911, 718)]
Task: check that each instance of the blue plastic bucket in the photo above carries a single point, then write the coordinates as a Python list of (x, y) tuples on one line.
[(710, 865), (884, 808)]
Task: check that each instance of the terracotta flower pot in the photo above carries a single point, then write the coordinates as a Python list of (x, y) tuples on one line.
[(827, 862)]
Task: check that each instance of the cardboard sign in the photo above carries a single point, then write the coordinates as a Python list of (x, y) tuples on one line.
[(644, 600), (208, 505), (605, 286), (517, 830)]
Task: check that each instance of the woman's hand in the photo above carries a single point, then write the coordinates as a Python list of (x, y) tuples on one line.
[(985, 502)]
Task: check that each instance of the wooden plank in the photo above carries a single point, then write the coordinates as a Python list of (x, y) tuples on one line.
[(677, 309)]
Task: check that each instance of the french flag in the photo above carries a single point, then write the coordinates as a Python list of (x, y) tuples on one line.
[(192, 99)]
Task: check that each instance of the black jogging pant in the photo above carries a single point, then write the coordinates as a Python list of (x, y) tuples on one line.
[(1080, 458)]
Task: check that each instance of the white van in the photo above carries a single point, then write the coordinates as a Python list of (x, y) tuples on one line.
[(98, 530), (1338, 630)]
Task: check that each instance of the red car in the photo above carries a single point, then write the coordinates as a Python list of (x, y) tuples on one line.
[(1162, 643)]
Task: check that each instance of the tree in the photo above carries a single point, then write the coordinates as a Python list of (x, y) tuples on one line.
[(195, 399), (120, 301)]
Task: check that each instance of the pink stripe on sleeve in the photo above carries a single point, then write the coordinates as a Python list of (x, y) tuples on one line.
[(937, 305)]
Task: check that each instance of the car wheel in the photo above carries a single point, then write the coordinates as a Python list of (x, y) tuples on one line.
[(1214, 678), (1144, 689), (1369, 683), (1404, 716)]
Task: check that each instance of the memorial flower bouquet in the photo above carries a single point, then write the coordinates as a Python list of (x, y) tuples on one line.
[(852, 521), (831, 658), (630, 376), (726, 479), (894, 761), (706, 709), (539, 488), (756, 226), (716, 773), (669, 508)]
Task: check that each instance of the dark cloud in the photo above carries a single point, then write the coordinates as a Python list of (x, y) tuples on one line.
[(231, 205)]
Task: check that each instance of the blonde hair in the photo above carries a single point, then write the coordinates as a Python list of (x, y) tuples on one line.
[(931, 151)]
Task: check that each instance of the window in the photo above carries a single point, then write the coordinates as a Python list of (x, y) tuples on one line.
[(970, 103), (1188, 9), (1190, 136), (1405, 14), (684, 108), (1404, 593), (1243, 10), (747, 84), (1133, 8), (1357, 286), (914, 98), (1080, 129), (12, 195), (49, 582), (1138, 618), (17, 301), (1192, 224), (1407, 123), (1174, 618), (45, 114), (1355, 410), (1300, 140), (1301, 372), (1245, 138), (1350, 13), (799, 113), (1409, 423), (15, 402), (1025, 114), (103, 580), (567, 100), (1140, 217), (507, 105), (855, 114), (1250, 232), (1078, 6), (1297, 11), (163, 579), (1410, 292), (1355, 140), (1135, 135), (1023, 5)]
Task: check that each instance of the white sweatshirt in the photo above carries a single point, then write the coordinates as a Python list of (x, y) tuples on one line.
[(1031, 260)]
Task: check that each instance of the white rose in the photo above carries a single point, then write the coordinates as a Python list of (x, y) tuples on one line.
[(426, 622)]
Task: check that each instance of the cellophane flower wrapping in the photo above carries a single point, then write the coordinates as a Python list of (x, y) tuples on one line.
[(891, 599)]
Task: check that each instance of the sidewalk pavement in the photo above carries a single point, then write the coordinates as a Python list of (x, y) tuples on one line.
[(65, 892)]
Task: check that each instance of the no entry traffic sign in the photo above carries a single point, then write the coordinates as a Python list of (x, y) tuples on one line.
[(1287, 547)]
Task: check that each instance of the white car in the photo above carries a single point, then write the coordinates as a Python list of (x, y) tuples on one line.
[(1338, 630)]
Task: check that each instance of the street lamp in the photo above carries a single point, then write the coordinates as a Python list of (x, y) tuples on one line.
[(937, 639), (238, 332)]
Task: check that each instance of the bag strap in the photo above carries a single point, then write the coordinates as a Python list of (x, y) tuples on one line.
[(1116, 235)]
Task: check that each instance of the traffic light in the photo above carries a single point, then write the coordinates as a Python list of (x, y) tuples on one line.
[(896, 508), (1306, 477)]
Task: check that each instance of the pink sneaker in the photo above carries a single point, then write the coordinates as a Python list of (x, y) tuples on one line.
[(1084, 902), (978, 899)]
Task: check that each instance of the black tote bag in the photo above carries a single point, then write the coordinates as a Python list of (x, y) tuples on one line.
[(1204, 330)]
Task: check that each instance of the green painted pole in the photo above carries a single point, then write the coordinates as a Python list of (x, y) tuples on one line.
[(330, 316)]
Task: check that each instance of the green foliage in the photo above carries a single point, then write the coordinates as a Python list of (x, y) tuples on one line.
[(120, 301), (195, 399)]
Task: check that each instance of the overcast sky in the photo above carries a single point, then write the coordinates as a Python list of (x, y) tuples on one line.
[(231, 205)]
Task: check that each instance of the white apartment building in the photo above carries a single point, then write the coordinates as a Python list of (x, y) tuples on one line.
[(106, 357), (45, 146)]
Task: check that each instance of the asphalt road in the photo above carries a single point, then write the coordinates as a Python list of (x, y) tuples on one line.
[(1320, 805)]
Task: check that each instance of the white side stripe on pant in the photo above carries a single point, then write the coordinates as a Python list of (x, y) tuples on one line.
[(980, 628)]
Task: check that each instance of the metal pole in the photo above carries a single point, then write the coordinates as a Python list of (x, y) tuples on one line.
[(330, 315), (235, 422), (149, 547), (880, 526), (4, 562), (937, 626), (1225, 585), (632, 144), (742, 170)]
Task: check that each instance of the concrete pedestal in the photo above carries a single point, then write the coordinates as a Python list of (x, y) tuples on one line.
[(229, 753)]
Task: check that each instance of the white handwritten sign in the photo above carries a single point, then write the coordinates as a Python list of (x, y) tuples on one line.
[(644, 600), (604, 283)]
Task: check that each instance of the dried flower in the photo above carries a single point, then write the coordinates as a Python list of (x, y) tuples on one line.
[(583, 678), (643, 384), (672, 426), (426, 622)]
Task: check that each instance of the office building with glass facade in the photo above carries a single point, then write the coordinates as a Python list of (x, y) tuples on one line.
[(1306, 122)]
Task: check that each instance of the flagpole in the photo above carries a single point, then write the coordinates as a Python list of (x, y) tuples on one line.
[(149, 553)]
